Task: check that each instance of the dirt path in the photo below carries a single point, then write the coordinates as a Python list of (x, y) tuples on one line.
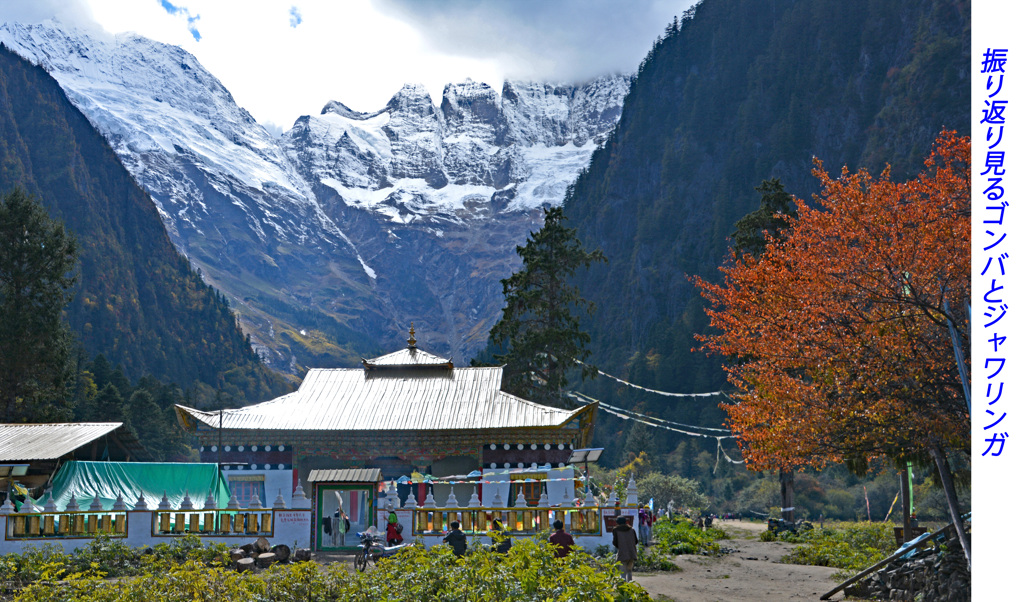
[(754, 573)]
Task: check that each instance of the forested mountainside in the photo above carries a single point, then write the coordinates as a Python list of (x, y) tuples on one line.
[(137, 301), (737, 92)]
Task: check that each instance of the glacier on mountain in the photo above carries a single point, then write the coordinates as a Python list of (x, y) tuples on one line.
[(410, 213)]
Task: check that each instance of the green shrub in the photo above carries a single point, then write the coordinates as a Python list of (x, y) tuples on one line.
[(528, 572), (848, 546), (678, 536), (653, 559)]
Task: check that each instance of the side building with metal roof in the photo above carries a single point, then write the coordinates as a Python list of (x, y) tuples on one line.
[(31, 453), (405, 412)]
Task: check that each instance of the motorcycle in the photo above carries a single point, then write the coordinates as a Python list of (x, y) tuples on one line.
[(373, 548)]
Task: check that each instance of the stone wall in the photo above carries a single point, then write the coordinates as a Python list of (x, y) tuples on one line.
[(936, 575)]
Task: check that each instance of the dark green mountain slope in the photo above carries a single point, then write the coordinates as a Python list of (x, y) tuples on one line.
[(138, 302), (743, 91)]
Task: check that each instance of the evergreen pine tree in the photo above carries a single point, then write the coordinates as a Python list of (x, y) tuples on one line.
[(539, 325), (109, 406), (768, 219), (101, 371), (37, 260), (149, 422), (84, 396), (638, 440)]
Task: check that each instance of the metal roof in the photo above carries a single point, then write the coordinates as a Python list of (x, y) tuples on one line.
[(409, 358), (49, 441), (391, 400), (345, 475)]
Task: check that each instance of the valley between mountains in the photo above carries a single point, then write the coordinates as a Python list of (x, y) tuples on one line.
[(330, 239)]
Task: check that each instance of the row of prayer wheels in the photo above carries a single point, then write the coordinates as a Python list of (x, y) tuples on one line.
[(67, 524), (207, 522), (522, 520), (83, 523)]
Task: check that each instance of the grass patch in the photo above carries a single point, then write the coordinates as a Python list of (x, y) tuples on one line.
[(851, 547), (678, 536)]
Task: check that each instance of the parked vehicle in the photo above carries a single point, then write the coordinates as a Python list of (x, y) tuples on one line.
[(373, 548)]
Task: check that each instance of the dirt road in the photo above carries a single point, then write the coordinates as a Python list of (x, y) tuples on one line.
[(754, 573)]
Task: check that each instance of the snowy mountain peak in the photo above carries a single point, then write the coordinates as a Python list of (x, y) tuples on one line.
[(339, 108), (409, 213)]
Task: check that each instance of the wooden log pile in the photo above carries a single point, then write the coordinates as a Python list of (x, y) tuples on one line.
[(261, 555), (936, 575)]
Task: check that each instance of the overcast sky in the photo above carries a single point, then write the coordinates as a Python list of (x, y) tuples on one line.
[(284, 59)]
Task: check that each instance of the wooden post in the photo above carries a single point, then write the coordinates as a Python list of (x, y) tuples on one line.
[(786, 482), (951, 499), (905, 496)]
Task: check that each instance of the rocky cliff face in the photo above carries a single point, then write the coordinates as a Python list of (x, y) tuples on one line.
[(330, 239)]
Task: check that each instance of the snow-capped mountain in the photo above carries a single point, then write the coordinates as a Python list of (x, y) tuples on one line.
[(411, 213), (414, 161)]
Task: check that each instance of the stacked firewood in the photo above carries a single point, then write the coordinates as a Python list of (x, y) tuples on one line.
[(260, 555)]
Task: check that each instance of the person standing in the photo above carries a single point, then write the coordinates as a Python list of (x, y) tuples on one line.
[(456, 539), (502, 538), (624, 539), (343, 525), (561, 540), (645, 526), (394, 532)]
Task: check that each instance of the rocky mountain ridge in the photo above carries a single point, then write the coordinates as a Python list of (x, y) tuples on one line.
[(330, 239)]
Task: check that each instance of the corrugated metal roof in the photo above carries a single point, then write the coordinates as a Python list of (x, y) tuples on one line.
[(48, 441), (392, 400), (409, 357), (345, 475)]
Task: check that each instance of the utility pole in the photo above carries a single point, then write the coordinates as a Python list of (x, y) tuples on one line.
[(220, 438)]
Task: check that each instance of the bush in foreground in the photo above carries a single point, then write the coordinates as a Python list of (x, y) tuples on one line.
[(529, 572)]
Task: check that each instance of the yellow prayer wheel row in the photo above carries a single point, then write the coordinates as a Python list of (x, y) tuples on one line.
[(585, 521), (206, 522), (521, 520), (66, 525)]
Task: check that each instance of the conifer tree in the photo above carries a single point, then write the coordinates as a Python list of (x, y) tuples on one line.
[(767, 221), (149, 423), (37, 260), (754, 231), (540, 326)]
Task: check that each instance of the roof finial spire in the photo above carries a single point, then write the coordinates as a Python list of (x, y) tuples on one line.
[(412, 336)]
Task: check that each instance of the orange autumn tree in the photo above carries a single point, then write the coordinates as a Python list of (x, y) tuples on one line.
[(840, 330)]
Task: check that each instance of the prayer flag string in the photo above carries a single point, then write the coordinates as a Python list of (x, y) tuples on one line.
[(655, 391)]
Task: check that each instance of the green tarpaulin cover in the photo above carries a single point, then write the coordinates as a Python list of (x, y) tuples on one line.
[(105, 480)]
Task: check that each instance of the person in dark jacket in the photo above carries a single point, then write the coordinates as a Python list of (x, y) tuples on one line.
[(502, 538), (624, 539), (456, 539), (561, 540)]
